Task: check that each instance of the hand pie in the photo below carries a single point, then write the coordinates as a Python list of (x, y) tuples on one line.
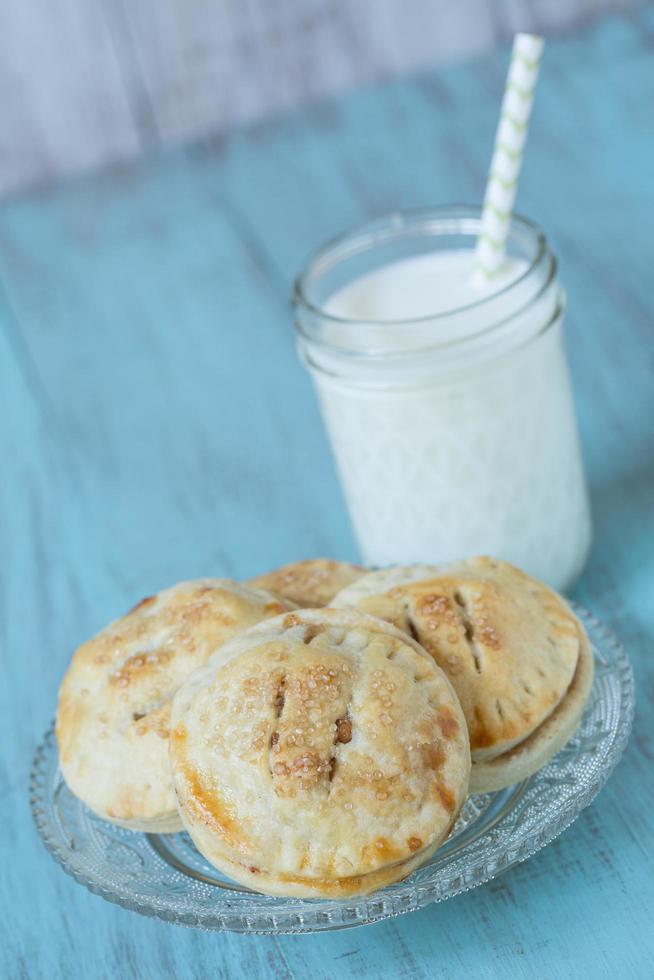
[(114, 703), (517, 656), (311, 583), (319, 754)]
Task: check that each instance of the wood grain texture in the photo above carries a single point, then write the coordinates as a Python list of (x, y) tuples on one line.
[(65, 102), (155, 424), (105, 78)]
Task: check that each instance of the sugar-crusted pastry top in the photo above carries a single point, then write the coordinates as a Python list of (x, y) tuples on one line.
[(319, 753), (309, 583), (114, 703), (508, 643)]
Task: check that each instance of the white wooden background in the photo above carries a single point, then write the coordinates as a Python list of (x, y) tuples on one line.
[(86, 82)]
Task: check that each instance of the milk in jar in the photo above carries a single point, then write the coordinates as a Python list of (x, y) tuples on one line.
[(448, 405)]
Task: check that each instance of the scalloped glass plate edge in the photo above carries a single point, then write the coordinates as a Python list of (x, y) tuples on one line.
[(532, 815)]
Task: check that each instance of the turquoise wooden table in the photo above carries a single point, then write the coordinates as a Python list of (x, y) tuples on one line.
[(155, 425)]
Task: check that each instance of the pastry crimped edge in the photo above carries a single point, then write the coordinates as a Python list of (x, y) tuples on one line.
[(274, 881), (541, 746)]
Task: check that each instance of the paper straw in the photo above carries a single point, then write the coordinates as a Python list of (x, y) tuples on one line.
[(507, 155)]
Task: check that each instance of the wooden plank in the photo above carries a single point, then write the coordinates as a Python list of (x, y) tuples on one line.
[(214, 65), (64, 104), (103, 79), (156, 425), (158, 363)]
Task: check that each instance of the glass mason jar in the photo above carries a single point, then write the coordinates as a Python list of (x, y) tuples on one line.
[(454, 433)]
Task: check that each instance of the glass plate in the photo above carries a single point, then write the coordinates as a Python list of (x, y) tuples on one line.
[(163, 875)]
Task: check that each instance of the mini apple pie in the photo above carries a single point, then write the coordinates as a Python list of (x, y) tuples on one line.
[(320, 754), (114, 704), (517, 656)]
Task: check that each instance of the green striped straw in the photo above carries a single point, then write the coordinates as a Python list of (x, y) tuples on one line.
[(507, 156)]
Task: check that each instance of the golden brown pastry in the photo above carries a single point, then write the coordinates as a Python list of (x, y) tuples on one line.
[(509, 644), (310, 583), (321, 753), (113, 717), (537, 749)]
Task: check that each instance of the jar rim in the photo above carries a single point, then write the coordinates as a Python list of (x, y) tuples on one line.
[(384, 228), (308, 361)]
